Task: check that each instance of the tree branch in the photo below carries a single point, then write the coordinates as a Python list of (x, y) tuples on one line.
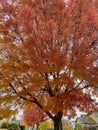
[(50, 115), (13, 88), (78, 84), (34, 101), (47, 112)]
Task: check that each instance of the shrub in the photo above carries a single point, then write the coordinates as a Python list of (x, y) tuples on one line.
[(78, 126), (4, 125), (9, 126), (12, 126)]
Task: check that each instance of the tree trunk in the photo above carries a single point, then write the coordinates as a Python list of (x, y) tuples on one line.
[(58, 121), (37, 126)]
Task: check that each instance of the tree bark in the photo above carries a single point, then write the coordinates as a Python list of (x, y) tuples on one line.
[(58, 121), (37, 126)]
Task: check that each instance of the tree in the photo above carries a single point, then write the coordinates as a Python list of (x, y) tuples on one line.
[(32, 116), (47, 125), (48, 56), (67, 125), (78, 126)]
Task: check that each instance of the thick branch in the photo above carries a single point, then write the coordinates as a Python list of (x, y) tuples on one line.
[(36, 102), (13, 88), (47, 112), (50, 115), (33, 101), (16, 92)]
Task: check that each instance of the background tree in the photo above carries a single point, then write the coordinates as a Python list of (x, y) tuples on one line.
[(67, 125), (33, 116), (48, 56), (78, 126), (46, 125)]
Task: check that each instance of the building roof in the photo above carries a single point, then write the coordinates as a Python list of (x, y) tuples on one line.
[(88, 120), (84, 120)]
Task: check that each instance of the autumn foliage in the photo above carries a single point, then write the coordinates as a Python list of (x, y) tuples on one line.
[(33, 115), (48, 55)]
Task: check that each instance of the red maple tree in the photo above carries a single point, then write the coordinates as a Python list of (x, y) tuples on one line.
[(33, 115), (48, 55)]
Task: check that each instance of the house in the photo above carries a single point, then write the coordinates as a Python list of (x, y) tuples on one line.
[(88, 122)]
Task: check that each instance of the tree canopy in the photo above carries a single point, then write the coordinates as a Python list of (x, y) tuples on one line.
[(49, 55)]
